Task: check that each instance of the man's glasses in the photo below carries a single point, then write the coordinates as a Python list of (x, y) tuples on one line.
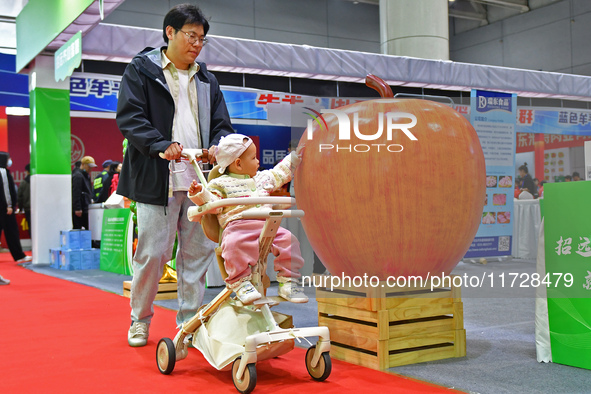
[(193, 38)]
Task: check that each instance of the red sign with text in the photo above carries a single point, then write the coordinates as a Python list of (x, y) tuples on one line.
[(525, 141)]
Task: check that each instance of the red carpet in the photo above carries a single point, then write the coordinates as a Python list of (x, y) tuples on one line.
[(61, 337)]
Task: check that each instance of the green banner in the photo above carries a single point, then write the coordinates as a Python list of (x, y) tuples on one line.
[(40, 22), (68, 57), (117, 241), (51, 143), (567, 237)]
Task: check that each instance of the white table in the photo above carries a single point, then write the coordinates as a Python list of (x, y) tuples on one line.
[(526, 226)]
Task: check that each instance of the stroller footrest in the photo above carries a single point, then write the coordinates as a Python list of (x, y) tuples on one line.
[(271, 301), (252, 341)]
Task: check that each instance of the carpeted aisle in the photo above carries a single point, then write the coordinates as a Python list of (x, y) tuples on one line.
[(61, 337)]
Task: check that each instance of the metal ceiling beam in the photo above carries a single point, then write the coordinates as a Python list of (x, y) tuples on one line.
[(475, 16), (521, 5)]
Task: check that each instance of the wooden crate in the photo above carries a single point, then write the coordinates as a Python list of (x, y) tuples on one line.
[(166, 291), (383, 327)]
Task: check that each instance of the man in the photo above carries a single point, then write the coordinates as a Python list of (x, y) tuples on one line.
[(167, 102), (24, 195), (100, 179), (81, 192)]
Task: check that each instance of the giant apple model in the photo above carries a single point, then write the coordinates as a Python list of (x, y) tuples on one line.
[(391, 205)]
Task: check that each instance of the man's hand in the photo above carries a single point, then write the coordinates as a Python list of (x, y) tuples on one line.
[(78, 213), (173, 152), (211, 154), (9, 211), (195, 188)]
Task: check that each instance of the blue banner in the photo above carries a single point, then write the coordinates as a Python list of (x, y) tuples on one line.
[(549, 121), (493, 116)]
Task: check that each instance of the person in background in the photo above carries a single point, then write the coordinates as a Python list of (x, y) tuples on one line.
[(81, 193), (537, 183), (541, 189), (568, 178), (24, 196), (100, 180), (8, 204), (115, 180), (106, 184), (527, 183), (576, 176), (517, 190)]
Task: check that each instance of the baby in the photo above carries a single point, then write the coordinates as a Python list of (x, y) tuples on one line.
[(237, 159)]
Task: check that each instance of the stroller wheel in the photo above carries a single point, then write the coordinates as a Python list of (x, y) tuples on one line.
[(165, 355), (322, 369), (249, 378)]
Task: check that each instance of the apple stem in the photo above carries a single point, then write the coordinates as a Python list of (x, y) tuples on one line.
[(379, 84)]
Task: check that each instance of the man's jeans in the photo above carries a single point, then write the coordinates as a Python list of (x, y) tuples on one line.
[(157, 227)]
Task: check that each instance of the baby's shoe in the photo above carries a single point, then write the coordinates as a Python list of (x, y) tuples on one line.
[(290, 290), (247, 293)]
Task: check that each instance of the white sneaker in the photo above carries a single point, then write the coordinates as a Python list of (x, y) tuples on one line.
[(25, 259), (138, 334), (291, 291), (4, 281), (247, 293)]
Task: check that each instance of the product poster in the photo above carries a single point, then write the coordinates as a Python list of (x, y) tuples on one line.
[(116, 241), (567, 240), (493, 116), (556, 164)]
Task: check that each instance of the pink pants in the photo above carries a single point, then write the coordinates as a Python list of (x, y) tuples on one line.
[(240, 250)]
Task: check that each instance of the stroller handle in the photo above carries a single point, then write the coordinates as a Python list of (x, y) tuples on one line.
[(192, 155)]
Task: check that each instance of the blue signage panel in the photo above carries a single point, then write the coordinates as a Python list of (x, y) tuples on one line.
[(493, 116)]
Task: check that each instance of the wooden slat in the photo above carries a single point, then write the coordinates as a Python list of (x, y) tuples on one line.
[(166, 291), (354, 357), (460, 343), (168, 286), (458, 311), (356, 341), (456, 293), (344, 300), (166, 296), (414, 341), (421, 327), (355, 328), (420, 356), (383, 356), (416, 312), (350, 313), (403, 302)]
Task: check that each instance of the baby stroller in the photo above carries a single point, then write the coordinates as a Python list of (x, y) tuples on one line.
[(233, 336)]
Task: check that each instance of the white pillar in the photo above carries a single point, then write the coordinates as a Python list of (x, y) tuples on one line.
[(51, 179), (415, 28)]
